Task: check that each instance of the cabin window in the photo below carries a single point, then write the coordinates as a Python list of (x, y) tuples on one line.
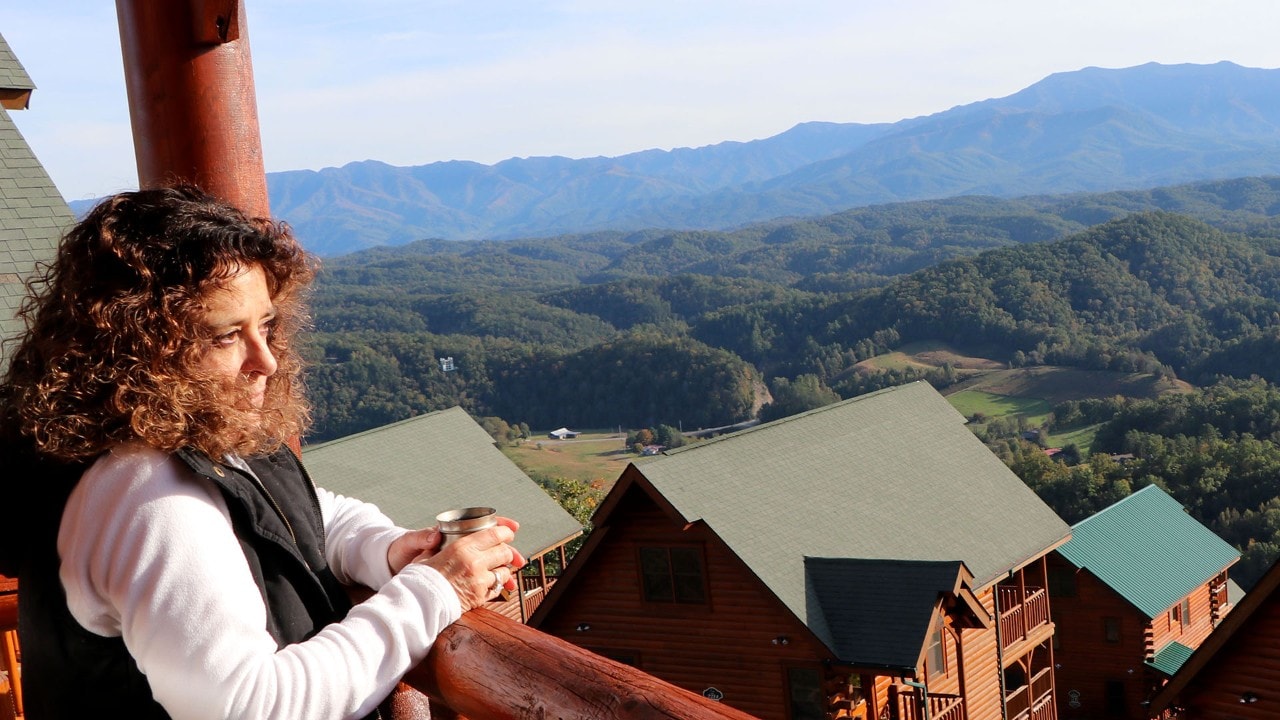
[(1186, 612), (1062, 581), (1111, 629), (673, 575), (804, 690), (936, 656)]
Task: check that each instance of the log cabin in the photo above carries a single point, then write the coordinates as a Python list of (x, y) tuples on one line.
[(416, 468), (33, 215), (868, 559), (1136, 589), (1235, 673)]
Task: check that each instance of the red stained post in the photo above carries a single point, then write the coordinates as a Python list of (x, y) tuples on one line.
[(191, 99)]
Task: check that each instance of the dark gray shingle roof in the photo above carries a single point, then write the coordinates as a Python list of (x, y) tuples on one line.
[(33, 214), (893, 475), (419, 467), (878, 613)]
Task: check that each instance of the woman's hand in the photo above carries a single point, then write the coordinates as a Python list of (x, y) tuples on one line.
[(477, 565), (410, 545)]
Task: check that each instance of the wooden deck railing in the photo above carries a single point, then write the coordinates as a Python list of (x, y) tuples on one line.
[(942, 706), (1033, 701), (946, 707), (1020, 615), (486, 667), (533, 592)]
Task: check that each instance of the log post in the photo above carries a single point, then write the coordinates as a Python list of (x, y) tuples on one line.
[(192, 105), (487, 667)]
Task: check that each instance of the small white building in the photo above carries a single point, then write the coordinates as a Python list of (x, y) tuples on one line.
[(563, 433)]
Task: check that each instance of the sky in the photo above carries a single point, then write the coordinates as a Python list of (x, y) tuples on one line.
[(409, 82)]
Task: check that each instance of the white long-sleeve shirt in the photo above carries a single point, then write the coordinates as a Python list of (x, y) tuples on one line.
[(148, 554)]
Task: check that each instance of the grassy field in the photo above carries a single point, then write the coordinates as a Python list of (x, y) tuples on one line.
[(589, 457), (989, 387), (970, 402)]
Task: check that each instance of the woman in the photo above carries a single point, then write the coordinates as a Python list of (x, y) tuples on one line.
[(174, 558)]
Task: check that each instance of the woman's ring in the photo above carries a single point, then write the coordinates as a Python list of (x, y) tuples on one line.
[(497, 584)]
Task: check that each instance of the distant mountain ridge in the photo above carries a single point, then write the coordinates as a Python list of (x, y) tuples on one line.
[(1089, 130)]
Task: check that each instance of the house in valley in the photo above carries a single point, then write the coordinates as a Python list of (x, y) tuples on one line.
[(1139, 586), (1235, 673), (868, 559), (417, 468)]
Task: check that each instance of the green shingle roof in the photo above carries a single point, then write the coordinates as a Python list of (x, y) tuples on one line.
[(892, 475), (1148, 549), (33, 214), (425, 465), (1169, 659)]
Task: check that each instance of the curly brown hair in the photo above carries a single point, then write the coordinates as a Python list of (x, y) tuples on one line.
[(114, 334)]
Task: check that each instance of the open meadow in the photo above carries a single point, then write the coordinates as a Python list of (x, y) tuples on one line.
[(592, 456)]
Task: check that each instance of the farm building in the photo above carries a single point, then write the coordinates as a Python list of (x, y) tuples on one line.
[(563, 434), (867, 559), (414, 469), (1140, 585)]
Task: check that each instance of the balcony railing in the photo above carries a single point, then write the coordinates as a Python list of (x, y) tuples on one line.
[(1021, 613), (1032, 702), (486, 667), (533, 592), (946, 707), (941, 706)]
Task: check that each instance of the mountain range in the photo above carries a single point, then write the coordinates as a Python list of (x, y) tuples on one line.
[(1088, 130)]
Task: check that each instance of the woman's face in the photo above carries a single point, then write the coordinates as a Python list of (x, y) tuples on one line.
[(239, 317)]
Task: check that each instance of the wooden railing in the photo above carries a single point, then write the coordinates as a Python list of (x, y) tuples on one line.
[(941, 705), (946, 707), (1042, 709), (534, 592), (1019, 614), (1033, 701), (486, 667)]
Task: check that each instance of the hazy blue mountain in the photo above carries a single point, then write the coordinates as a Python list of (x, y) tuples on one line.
[(1089, 130)]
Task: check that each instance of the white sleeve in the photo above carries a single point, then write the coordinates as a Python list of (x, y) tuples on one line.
[(148, 554), (357, 537)]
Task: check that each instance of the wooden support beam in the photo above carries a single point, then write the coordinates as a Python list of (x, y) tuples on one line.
[(189, 78)]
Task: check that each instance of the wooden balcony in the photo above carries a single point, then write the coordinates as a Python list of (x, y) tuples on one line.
[(1034, 701), (907, 706), (1024, 619)]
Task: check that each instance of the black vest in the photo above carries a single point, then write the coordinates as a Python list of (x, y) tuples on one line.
[(69, 672)]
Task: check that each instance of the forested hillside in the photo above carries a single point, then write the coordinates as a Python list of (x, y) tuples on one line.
[(702, 329), (526, 319)]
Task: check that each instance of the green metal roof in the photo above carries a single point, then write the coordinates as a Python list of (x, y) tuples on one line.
[(1170, 658), (1148, 549), (417, 468), (33, 214), (891, 475)]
